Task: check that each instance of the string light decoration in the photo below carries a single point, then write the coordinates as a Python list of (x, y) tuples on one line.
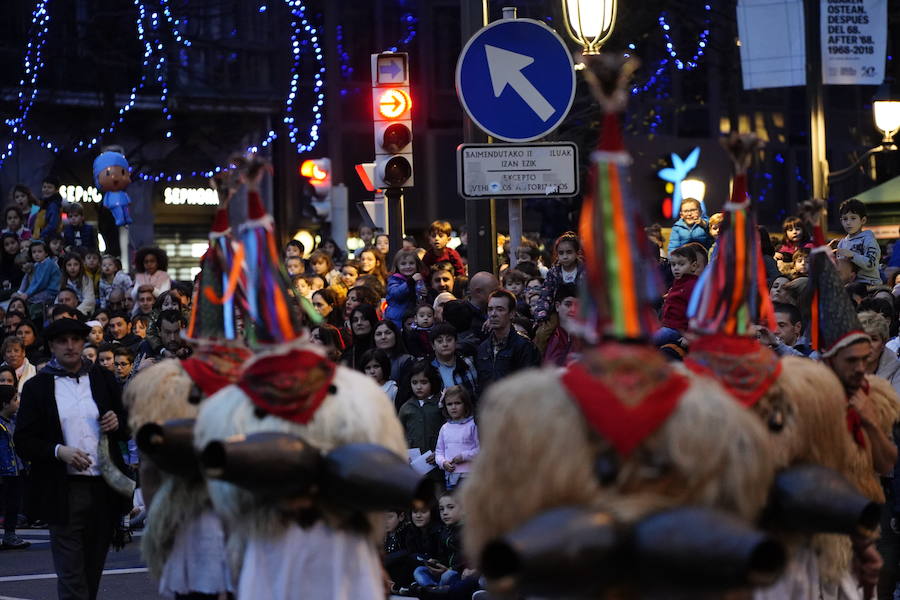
[(410, 21), (151, 35), (153, 61), (674, 57)]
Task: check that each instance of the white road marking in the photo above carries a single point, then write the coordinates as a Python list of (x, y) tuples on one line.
[(53, 575)]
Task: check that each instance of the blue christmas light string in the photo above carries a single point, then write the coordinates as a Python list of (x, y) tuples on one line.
[(20, 127), (674, 57), (149, 31)]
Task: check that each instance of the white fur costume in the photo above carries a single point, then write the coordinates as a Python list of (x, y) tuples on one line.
[(281, 560), (184, 542)]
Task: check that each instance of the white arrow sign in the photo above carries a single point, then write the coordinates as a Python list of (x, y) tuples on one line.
[(506, 69)]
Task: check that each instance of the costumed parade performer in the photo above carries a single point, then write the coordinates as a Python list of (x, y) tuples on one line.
[(798, 400), (184, 540), (871, 405), (291, 405), (111, 176), (621, 432)]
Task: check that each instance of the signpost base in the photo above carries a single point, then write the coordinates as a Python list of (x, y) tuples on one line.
[(393, 198)]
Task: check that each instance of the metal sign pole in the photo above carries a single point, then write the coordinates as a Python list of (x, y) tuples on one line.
[(516, 216), (480, 214), (393, 199)]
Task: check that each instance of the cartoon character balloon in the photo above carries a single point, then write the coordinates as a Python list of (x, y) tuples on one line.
[(112, 175)]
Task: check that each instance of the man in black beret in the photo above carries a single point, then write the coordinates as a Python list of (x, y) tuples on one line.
[(65, 410)]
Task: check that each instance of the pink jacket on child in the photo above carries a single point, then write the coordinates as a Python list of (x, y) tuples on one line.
[(457, 438)]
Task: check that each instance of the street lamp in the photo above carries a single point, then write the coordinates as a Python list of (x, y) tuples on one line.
[(590, 22), (887, 119), (693, 188), (886, 113)]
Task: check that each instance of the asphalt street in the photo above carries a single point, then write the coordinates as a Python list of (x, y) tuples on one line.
[(28, 574)]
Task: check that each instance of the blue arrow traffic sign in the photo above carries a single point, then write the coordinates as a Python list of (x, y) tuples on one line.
[(392, 68), (515, 79)]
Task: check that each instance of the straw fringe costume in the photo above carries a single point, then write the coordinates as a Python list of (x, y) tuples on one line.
[(673, 437)]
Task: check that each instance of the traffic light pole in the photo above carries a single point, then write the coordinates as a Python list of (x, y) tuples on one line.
[(481, 221), (393, 197)]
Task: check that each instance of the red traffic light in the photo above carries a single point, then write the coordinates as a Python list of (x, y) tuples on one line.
[(394, 103)]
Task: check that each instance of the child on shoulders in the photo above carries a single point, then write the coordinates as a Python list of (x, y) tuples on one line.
[(438, 251), (860, 246)]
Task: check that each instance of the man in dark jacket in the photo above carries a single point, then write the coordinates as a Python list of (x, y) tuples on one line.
[(66, 410), (504, 351)]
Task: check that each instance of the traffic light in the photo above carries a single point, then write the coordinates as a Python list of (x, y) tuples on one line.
[(318, 174), (392, 116)]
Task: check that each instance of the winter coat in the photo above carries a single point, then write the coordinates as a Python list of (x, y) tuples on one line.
[(457, 438), (447, 255), (889, 368), (674, 308), (516, 353), (45, 277), (84, 236), (682, 234), (560, 348), (451, 547), (422, 424), (10, 463), (403, 295), (48, 221), (464, 374)]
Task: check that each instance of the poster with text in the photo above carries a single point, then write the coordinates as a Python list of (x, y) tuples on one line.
[(854, 40)]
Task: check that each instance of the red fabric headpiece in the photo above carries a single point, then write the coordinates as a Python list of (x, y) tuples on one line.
[(220, 223), (745, 367), (207, 378), (291, 385), (623, 424)]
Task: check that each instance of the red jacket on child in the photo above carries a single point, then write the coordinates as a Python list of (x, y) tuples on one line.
[(447, 255), (674, 308)]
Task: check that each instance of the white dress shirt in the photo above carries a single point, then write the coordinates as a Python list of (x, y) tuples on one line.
[(79, 418)]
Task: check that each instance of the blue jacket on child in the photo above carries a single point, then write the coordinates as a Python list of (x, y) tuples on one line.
[(45, 277), (402, 295), (682, 234)]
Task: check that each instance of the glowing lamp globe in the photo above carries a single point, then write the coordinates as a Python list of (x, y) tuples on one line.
[(590, 22), (887, 118)]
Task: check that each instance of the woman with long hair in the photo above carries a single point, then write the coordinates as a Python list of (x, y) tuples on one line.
[(363, 321), (389, 338)]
